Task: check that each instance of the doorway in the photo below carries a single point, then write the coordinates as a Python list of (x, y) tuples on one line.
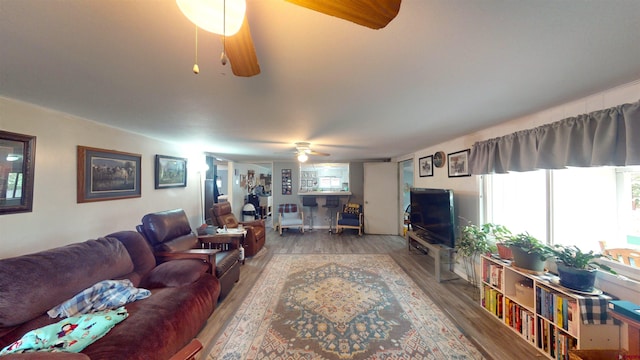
[(405, 175)]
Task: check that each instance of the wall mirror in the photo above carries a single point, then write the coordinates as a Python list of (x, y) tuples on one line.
[(17, 162)]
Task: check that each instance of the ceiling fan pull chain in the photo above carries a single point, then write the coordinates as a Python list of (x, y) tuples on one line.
[(223, 57), (196, 69)]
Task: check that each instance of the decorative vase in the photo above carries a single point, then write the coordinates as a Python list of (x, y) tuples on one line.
[(576, 279), (526, 261)]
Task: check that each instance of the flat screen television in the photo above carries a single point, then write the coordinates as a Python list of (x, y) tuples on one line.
[(432, 215)]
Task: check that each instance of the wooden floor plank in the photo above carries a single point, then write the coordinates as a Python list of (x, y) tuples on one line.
[(456, 298)]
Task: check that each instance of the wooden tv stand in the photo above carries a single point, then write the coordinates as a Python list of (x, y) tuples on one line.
[(440, 253)]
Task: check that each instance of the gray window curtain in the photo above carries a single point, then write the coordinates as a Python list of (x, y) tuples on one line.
[(605, 137)]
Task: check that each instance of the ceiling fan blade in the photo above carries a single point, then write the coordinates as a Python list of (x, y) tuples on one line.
[(316, 153), (241, 52), (374, 14)]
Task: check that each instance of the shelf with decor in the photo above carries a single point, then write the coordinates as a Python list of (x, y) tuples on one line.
[(550, 317)]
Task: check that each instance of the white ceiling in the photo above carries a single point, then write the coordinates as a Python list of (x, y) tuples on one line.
[(441, 69)]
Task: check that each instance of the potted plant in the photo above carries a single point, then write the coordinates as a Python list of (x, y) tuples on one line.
[(528, 252), (475, 240), (577, 269)]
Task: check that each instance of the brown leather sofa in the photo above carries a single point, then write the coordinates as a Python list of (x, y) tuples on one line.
[(183, 296), (170, 236), (222, 215)]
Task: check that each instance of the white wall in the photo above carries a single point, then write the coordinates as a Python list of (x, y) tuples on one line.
[(56, 218)]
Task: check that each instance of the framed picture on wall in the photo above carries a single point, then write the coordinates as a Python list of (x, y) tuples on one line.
[(287, 184), (17, 165), (107, 175), (459, 163), (426, 166), (170, 172)]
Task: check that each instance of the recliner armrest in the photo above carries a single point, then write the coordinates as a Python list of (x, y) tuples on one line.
[(259, 223)]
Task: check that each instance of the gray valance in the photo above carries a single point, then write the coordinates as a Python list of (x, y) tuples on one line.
[(605, 137)]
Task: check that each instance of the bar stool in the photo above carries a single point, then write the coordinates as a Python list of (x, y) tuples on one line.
[(332, 203), (310, 202)]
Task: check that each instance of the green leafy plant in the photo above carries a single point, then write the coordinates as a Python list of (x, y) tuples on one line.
[(573, 257), (476, 239), (530, 245)]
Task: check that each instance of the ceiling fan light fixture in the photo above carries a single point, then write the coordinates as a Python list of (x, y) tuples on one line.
[(302, 156), (209, 15)]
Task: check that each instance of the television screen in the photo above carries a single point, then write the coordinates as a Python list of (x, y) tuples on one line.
[(432, 215)]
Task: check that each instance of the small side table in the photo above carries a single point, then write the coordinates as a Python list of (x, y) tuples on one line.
[(220, 240)]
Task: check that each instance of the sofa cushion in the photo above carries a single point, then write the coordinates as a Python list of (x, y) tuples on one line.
[(140, 253), (50, 277), (223, 215), (349, 222), (165, 225), (160, 325), (175, 273)]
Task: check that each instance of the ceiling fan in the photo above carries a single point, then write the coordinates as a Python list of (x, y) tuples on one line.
[(239, 49), (303, 150)]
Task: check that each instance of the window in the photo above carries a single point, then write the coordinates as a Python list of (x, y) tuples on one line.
[(586, 207), (324, 177), (14, 185), (518, 201)]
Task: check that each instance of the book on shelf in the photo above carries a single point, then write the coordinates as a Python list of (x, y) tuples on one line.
[(573, 317), (493, 301), (492, 275), (557, 308)]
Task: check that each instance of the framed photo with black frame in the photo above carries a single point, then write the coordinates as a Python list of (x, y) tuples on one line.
[(107, 175), (459, 163), (17, 165), (170, 172), (425, 165)]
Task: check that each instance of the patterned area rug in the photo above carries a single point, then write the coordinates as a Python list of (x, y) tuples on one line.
[(339, 307)]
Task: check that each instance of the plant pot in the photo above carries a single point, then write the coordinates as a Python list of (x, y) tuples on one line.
[(526, 261), (504, 252), (576, 279)]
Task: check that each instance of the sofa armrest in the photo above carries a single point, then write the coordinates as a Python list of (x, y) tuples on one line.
[(258, 223), (188, 352)]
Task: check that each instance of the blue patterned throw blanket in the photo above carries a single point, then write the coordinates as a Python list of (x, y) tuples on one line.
[(108, 294), (72, 334)]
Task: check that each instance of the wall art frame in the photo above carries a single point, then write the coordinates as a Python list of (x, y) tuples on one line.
[(170, 172), (107, 175), (459, 163), (287, 182), (17, 169), (425, 166)]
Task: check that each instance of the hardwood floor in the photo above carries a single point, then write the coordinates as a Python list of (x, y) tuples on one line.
[(455, 297)]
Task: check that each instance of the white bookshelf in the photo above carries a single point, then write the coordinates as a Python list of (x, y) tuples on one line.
[(543, 313)]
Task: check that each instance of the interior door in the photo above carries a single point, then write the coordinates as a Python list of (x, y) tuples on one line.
[(381, 198)]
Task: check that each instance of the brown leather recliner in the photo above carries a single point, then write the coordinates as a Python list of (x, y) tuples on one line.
[(170, 236), (222, 215)]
